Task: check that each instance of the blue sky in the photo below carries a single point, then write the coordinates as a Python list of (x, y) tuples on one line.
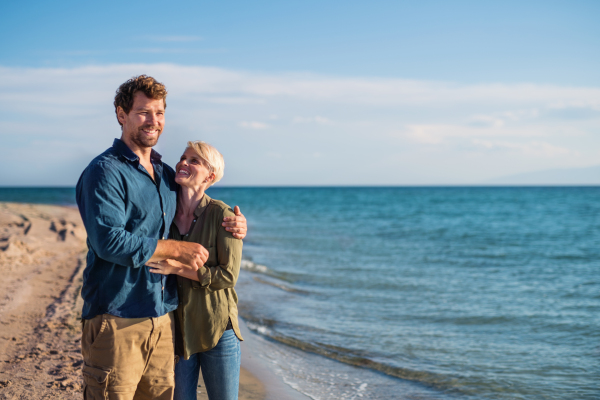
[(328, 92)]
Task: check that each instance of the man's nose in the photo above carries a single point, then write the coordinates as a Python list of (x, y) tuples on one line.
[(152, 118)]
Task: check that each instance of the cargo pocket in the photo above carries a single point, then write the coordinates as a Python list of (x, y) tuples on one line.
[(95, 382), (159, 387)]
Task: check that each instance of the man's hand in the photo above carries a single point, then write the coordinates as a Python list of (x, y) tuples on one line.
[(192, 254), (187, 253), (236, 225)]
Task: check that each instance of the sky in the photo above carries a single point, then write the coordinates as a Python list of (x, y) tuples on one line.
[(311, 93)]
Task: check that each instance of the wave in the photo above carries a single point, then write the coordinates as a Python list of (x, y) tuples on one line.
[(449, 384), (251, 266), (279, 286), (272, 275)]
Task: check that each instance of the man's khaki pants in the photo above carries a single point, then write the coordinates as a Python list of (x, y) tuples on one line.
[(128, 358)]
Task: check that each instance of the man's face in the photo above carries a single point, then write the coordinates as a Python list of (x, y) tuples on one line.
[(144, 123)]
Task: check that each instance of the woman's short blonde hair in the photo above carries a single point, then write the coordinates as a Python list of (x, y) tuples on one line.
[(210, 156)]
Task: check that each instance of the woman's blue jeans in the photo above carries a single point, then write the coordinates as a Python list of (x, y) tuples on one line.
[(220, 370)]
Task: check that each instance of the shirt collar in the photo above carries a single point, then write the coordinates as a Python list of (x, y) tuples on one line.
[(202, 205), (126, 152)]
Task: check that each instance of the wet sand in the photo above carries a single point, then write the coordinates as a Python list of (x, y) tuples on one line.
[(42, 257)]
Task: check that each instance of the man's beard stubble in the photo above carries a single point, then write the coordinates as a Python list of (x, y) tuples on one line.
[(140, 139)]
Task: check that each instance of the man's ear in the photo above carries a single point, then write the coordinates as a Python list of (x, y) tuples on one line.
[(121, 115)]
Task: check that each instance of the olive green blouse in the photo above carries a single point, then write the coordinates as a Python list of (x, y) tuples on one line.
[(205, 307)]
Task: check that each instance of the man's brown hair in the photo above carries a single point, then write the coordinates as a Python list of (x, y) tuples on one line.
[(143, 83)]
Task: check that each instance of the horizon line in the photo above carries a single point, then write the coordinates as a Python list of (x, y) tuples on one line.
[(300, 186)]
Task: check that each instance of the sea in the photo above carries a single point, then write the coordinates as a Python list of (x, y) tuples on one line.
[(419, 292)]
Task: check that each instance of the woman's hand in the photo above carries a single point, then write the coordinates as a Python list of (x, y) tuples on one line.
[(236, 225), (167, 267)]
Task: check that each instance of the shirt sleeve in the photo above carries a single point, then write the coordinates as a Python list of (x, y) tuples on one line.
[(229, 257), (101, 197)]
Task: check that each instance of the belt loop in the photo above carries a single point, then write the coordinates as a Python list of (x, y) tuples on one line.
[(153, 325)]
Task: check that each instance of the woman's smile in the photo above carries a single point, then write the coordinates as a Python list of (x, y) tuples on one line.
[(191, 170)]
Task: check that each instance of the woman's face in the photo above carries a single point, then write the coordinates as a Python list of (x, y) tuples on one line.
[(191, 171)]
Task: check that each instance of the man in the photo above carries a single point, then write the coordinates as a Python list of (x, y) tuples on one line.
[(127, 199)]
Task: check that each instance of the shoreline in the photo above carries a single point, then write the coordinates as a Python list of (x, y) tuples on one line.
[(254, 347), (42, 258)]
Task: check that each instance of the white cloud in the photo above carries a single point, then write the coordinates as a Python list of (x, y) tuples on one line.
[(486, 121), (533, 148), (406, 131), (253, 125), (235, 100), (159, 50), (443, 134), (176, 38), (307, 120)]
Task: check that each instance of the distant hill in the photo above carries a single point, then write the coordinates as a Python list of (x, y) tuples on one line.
[(568, 176)]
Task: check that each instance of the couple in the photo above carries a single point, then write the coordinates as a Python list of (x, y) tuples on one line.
[(163, 259)]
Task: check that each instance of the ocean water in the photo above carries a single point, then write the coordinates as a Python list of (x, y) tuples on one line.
[(64, 196), (468, 293), (421, 293)]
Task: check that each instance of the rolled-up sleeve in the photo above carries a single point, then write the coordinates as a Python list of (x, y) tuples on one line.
[(229, 257), (101, 197)]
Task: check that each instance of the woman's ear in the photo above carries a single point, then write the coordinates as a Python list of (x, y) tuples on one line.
[(210, 177)]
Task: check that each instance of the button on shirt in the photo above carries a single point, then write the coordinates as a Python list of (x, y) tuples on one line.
[(125, 213)]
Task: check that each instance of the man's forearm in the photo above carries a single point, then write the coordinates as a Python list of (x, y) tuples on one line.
[(165, 249), (185, 252)]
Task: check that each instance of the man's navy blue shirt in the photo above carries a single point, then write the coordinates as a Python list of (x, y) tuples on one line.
[(125, 213)]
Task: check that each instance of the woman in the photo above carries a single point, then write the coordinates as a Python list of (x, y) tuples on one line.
[(207, 332)]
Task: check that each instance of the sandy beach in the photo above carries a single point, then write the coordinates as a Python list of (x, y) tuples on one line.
[(42, 257)]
